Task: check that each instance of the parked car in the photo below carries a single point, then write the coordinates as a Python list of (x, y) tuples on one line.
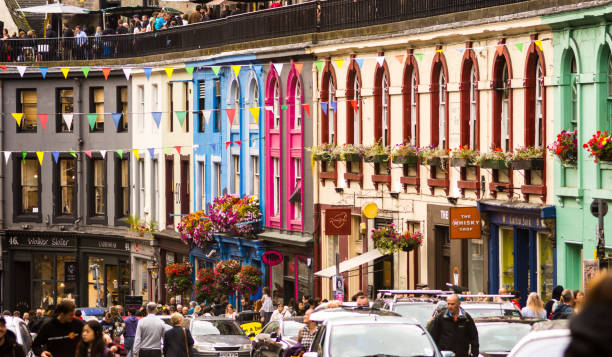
[(21, 331), (249, 322), (349, 310), (418, 309), (497, 336), (219, 337), (277, 336), (92, 313), (549, 343), (478, 309)]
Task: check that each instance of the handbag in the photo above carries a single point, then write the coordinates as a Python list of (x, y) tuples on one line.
[(189, 351)]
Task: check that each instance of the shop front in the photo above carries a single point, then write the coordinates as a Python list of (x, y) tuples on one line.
[(143, 261), (521, 247), (43, 268), (171, 250)]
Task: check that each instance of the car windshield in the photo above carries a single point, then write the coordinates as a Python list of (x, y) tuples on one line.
[(549, 347), (478, 311), (420, 312), (379, 340), (500, 337), (291, 328), (215, 327)]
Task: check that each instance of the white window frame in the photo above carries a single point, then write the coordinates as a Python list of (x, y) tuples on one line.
[(505, 114), (141, 106), (141, 185), (473, 108), (385, 110), (218, 189), (297, 178), (202, 184), (154, 189), (276, 186), (236, 166), (357, 112), (256, 177), (539, 115), (413, 106), (155, 96), (441, 110), (277, 106), (234, 102), (331, 118)]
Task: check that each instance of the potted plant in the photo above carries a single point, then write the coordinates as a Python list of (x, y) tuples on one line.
[(205, 285), (225, 273), (385, 239), (248, 280), (178, 278), (410, 241), (464, 157), (495, 159), (565, 148), (195, 228), (600, 146), (376, 153), (350, 152), (528, 158), (405, 154), (434, 156), (324, 152)]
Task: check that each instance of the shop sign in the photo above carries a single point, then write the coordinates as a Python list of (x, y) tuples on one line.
[(272, 258), (142, 248), (464, 222), (517, 220), (71, 271), (338, 221), (133, 302), (590, 270), (105, 244), (17, 242)]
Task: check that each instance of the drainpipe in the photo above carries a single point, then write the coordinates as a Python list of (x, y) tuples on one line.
[(81, 187), (317, 211), (2, 167)]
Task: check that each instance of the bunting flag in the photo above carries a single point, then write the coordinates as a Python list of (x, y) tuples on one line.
[(43, 120), (339, 62), (255, 114), (400, 58), (120, 153), (298, 67), (21, 70), (238, 142), (189, 69), (278, 67), (106, 72), (206, 113), (23, 155), (151, 152), (319, 65), (7, 156), (324, 107), (359, 62), (91, 118), (103, 153), (73, 153), (419, 56), (65, 71), (178, 149), (180, 115), (68, 119), (147, 72), (85, 71), (269, 107), (519, 46), (284, 107), (539, 44), (135, 151), (354, 104), (216, 70), (157, 118), (258, 68), (167, 150), (55, 156), (380, 60), (439, 50), (3, 67), (236, 69), (334, 106), (169, 71), (40, 155), (17, 117), (227, 144), (88, 153), (127, 71), (116, 119), (43, 71), (230, 115), (306, 108)]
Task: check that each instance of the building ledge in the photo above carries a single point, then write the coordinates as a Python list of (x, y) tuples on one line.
[(286, 238)]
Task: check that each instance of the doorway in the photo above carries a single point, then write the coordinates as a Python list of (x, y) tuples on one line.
[(522, 266), (22, 291), (443, 270), (383, 273)]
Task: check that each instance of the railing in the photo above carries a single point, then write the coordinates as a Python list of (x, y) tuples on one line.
[(306, 18)]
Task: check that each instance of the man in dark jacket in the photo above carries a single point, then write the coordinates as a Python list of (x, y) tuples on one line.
[(564, 309), (8, 342), (556, 296), (60, 335), (454, 330)]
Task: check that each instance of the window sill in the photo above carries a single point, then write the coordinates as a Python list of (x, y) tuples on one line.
[(603, 194), (382, 179), (439, 183), (97, 220), (296, 225), (324, 175), (539, 190), (352, 177), (28, 217), (568, 192), (410, 180), (468, 185), (64, 219)]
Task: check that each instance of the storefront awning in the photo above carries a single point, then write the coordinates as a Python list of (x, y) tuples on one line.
[(351, 263), (291, 239)]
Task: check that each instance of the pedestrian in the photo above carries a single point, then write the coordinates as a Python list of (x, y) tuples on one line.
[(121, 30), (564, 308), (108, 324), (177, 340), (195, 16), (131, 323), (516, 299), (207, 311), (115, 312), (441, 306), (8, 342), (230, 313), (551, 304), (81, 43), (38, 320), (197, 311), (192, 306), (267, 306), (145, 23), (26, 317), (591, 330), (149, 334), (92, 341), (78, 314), (307, 333), (576, 304), (534, 308), (280, 313), (61, 334), (454, 330), (185, 311)]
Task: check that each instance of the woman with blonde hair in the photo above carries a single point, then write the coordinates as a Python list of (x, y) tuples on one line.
[(534, 307), (230, 313)]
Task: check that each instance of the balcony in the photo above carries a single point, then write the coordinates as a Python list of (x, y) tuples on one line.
[(289, 24)]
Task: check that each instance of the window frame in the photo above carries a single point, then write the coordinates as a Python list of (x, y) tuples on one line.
[(256, 177), (18, 214), (201, 106), (92, 215), (328, 127), (217, 106), (59, 119), (99, 125), (276, 194), (20, 109), (354, 119), (123, 108), (58, 215), (382, 104), (439, 78), (119, 188)]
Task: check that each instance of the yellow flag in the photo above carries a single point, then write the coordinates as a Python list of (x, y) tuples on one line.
[(339, 62), (169, 71), (439, 50), (40, 155), (135, 151), (65, 71), (255, 113), (236, 69), (539, 44), (17, 117)]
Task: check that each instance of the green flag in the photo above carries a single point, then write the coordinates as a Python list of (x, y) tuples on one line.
[(189, 69), (319, 65), (419, 56), (85, 71), (91, 118), (167, 150), (216, 70), (519, 46), (73, 153), (284, 107), (120, 153), (23, 155), (181, 117)]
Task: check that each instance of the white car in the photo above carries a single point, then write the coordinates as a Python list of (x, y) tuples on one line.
[(20, 329), (549, 343)]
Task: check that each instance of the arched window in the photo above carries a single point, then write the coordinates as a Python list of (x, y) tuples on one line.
[(277, 106), (385, 111), (574, 93), (534, 98), (234, 102), (253, 101), (469, 133), (328, 96), (353, 105), (501, 105), (413, 108), (331, 114), (442, 110), (382, 106), (297, 103), (439, 100), (539, 114)]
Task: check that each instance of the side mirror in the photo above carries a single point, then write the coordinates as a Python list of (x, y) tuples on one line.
[(447, 353), (312, 354), (251, 334)]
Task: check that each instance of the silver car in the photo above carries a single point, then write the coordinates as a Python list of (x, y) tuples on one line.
[(219, 337)]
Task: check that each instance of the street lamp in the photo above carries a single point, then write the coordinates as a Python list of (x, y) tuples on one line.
[(154, 271)]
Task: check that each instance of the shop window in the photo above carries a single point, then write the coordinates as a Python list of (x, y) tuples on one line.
[(201, 106), (277, 279), (218, 179), (122, 107), (507, 259), (27, 102), (255, 160), (49, 283), (303, 276), (277, 185), (64, 99), (234, 102), (545, 262), (28, 195), (141, 106), (65, 289), (95, 281), (216, 106), (67, 186), (98, 187), (96, 105), (253, 101), (236, 164), (123, 187), (276, 107), (141, 186)]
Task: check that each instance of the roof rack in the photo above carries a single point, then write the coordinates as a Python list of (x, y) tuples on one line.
[(446, 294), (422, 292)]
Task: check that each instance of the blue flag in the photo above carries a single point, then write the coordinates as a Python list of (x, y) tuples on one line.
[(334, 106), (324, 107), (55, 156), (147, 71), (151, 152), (359, 62), (43, 71), (116, 118), (157, 117)]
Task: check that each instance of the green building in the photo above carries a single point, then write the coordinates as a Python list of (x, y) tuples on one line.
[(583, 98)]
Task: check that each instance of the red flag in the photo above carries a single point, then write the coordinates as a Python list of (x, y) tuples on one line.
[(230, 115), (400, 58), (3, 67), (238, 142), (88, 153), (306, 108), (354, 104), (178, 149), (43, 120), (106, 72), (227, 144), (298, 67)]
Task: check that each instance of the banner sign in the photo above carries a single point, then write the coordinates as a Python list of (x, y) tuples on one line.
[(71, 271), (272, 258), (338, 221), (464, 223)]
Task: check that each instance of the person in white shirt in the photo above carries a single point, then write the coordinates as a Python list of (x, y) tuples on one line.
[(280, 313), (267, 306), (149, 334)]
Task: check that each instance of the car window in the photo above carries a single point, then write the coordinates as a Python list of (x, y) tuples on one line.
[(291, 328), (489, 312), (549, 347), (419, 312), (317, 342), (500, 337), (271, 327), (215, 327)]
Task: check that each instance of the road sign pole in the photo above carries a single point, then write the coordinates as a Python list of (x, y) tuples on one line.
[(601, 245)]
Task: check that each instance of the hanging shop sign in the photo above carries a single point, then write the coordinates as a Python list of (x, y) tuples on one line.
[(71, 271), (272, 258), (338, 221), (464, 223)]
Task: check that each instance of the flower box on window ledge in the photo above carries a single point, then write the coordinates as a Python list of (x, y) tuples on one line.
[(405, 154), (496, 159), (324, 153), (434, 156), (376, 153), (528, 158), (494, 164), (351, 157), (528, 164), (405, 160), (350, 152), (464, 157), (600, 147), (377, 159)]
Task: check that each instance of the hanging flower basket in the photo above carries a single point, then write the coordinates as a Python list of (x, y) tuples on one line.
[(433, 156), (248, 280), (565, 148), (410, 241), (225, 273), (379, 158), (389, 241), (205, 285), (195, 228), (600, 146), (178, 278), (350, 152)]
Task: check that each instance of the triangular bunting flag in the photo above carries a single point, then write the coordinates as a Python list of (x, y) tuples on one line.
[(85, 71), (180, 115), (23, 155), (178, 149), (519, 46), (68, 119), (258, 68), (278, 67), (21, 70), (43, 71), (227, 144), (230, 115), (103, 153), (91, 118), (147, 72), (380, 60), (17, 117), (306, 108), (65, 71), (334, 106), (298, 67), (3, 67), (359, 62), (167, 150), (238, 142), (400, 58), (354, 104), (55, 156), (284, 107), (127, 71), (189, 69), (73, 153), (419, 56), (120, 153), (7, 156), (106, 71), (206, 113), (216, 69), (135, 151), (169, 71), (40, 155), (157, 117), (324, 107), (236, 69), (339, 62), (43, 120), (319, 65), (539, 44), (116, 119), (255, 114), (151, 152), (88, 153)]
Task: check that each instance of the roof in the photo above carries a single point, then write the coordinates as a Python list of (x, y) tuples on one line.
[(361, 319), (26, 21)]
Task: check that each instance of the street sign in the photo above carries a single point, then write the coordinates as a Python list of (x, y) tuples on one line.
[(595, 207)]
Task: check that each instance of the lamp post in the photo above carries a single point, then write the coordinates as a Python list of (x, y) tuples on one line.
[(153, 271)]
